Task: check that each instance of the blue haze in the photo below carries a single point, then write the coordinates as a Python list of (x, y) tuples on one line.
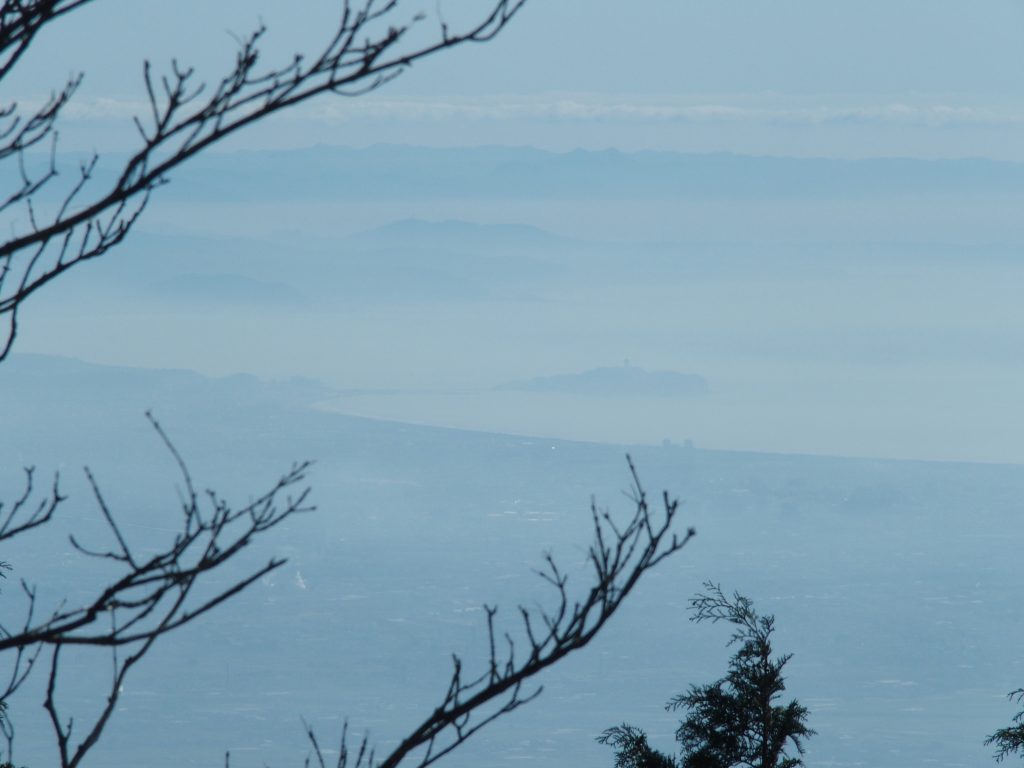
[(895, 584), (813, 207)]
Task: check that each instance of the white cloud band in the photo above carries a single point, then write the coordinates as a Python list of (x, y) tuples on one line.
[(608, 109)]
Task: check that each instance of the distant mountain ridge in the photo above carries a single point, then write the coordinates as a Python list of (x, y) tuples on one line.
[(456, 231), (407, 172), (220, 289)]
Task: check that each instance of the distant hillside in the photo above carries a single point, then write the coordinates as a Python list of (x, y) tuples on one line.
[(385, 172), (223, 289), (405, 260), (453, 232), (623, 380), (493, 172)]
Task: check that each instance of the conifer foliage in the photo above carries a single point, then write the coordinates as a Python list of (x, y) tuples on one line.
[(738, 720), (1010, 740)]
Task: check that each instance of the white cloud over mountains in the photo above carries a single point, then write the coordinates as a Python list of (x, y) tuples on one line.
[(738, 109)]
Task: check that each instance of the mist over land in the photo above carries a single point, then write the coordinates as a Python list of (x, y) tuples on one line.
[(861, 308), (531, 300), (771, 251), (894, 583)]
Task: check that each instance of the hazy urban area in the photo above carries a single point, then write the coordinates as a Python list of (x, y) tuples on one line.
[(771, 253)]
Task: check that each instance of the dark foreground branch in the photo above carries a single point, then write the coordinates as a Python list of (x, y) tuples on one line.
[(153, 594), (1010, 740), (619, 556), (369, 47), (24, 514)]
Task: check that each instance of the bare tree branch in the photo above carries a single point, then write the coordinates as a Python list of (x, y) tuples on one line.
[(366, 50), (157, 593), (22, 516), (22, 20), (153, 594), (618, 557)]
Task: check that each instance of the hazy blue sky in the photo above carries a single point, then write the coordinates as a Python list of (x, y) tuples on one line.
[(900, 77), (909, 293), (864, 309)]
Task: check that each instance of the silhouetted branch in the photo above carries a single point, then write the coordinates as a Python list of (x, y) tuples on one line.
[(714, 606), (365, 50), (154, 593), (618, 557), (632, 750), (1010, 740), (21, 21), (734, 721), (24, 515)]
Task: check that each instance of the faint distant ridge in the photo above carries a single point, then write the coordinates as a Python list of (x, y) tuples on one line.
[(394, 172), (622, 380), (454, 232), (135, 390), (219, 289)]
